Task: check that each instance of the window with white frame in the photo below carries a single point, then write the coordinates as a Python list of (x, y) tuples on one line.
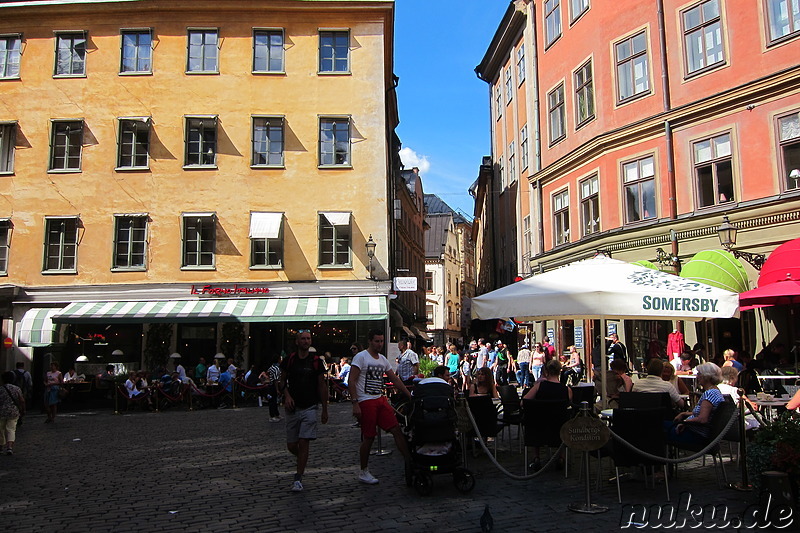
[(70, 54), (134, 143), (66, 143), (633, 78), (520, 64), (552, 21), (584, 94), (590, 205), (557, 114), (7, 146), (509, 85), (512, 169), (268, 50), (429, 313), (526, 239), (784, 18), (137, 52), (639, 181), (498, 98), (10, 54), (578, 8), (713, 169), (61, 244), (266, 240), (334, 141), (702, 29), (201, 142), (130, 242), (561, 217), (5, 229), (523, 147), (199, 240), (428, 281), (789, 139), (501, 174), (267, 142), (334, 51), (334, 239), (203, 51)]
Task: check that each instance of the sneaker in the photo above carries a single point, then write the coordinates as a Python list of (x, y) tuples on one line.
[(9, 452), (275, 419), (297, 486), (366, 477)]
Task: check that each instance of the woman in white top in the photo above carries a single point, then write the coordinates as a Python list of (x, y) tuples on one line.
[(538, 357)]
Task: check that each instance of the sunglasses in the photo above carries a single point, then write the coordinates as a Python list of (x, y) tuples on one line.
[(303, 331)]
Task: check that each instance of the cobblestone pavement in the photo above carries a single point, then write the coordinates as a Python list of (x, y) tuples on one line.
[(228, 470)]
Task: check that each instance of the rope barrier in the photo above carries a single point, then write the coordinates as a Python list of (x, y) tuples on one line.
[(199, 393), (171, 398), (245, 386)]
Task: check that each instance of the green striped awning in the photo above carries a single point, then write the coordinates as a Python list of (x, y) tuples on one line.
[(36, 327), (239, 310)]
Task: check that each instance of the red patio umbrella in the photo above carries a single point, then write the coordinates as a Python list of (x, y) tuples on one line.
[(783, 263), (784, 292)]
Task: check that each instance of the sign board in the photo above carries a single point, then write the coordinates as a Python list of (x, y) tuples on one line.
[(8, 343), (405, 283), (612, 328), (551, 332), (578, 332), (585, 434)]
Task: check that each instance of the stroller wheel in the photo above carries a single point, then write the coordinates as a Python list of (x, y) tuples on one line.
[(423, 484), (463, 480)]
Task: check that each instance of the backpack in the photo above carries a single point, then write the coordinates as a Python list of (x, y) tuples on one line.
[(291, 360), (20, 381)]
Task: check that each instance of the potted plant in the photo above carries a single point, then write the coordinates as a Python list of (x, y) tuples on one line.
[(776, 446)]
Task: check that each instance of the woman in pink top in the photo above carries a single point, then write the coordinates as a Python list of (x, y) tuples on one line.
[(52, 386)]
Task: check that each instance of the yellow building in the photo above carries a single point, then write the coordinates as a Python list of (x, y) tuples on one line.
[(193, 163)]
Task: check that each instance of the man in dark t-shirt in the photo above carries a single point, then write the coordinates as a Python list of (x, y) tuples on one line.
[(303, 385)]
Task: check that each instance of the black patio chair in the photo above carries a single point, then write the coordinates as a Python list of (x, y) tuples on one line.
[(511, 412), (542, 421), (484, 412), (644, 429)]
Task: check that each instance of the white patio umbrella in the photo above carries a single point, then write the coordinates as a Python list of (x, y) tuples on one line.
[(604, 288)]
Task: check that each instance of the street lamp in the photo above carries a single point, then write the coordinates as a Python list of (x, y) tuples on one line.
[(370, 246), (727, 238)]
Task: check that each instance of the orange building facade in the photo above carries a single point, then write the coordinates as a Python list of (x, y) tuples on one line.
[(650, 122)]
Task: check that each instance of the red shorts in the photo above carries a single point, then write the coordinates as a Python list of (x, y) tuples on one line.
[(376, 412)]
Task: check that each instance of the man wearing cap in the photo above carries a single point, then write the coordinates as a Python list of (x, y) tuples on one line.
[(303, 385)]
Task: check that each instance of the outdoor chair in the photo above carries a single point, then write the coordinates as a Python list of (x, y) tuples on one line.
[(485, 414), (644, 429), (647, 400), (511, 413), (719, 420), (584, 393), (542, 421)]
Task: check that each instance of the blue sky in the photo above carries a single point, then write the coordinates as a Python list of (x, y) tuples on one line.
[(444, 107)]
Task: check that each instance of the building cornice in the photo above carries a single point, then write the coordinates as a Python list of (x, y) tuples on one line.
[(504, 39), (775, 85)]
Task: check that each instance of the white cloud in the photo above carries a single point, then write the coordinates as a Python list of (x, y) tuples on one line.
[(412, 159)]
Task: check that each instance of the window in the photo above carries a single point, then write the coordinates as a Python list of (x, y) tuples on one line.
[(590, 206), (784, 18), (509, 86), (268, 51), (334, 141), (702, 28), (713, 167), (134, 143), (499, 102), (334, 51), (10, 52), (640, 189), (512, 174), (789, 139), (334, 239), (523, 147), (266, 240), (520, 64), (7, 142), (70, 54), (501, 175), (429, 313), (267, 142), (578, 8), (201, 142), (65, 146), (137, 51), (203, 51), (449, 283), (61, 244), (561, 217), (130, 242), (632, 68), (556, 114), (199, 238), (526, 242), (428, 281), (5, 226), (552, 21), (584, 94)]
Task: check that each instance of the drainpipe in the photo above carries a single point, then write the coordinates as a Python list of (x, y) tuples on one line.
[(537, 129)]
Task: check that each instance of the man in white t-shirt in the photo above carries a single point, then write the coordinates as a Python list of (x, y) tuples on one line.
[(407, 362), (483, 355), (370, 406)]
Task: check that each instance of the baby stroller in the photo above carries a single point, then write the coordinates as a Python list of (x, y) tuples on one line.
[(432, 440)]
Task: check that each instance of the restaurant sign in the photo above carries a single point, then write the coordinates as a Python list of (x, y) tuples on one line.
[(235, 290), (585, 434)]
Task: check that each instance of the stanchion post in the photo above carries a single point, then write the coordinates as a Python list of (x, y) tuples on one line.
[(188, 392), (116, 399), (155, 395), (233, 392), (744, 484), (583, 421), (380, 450)]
